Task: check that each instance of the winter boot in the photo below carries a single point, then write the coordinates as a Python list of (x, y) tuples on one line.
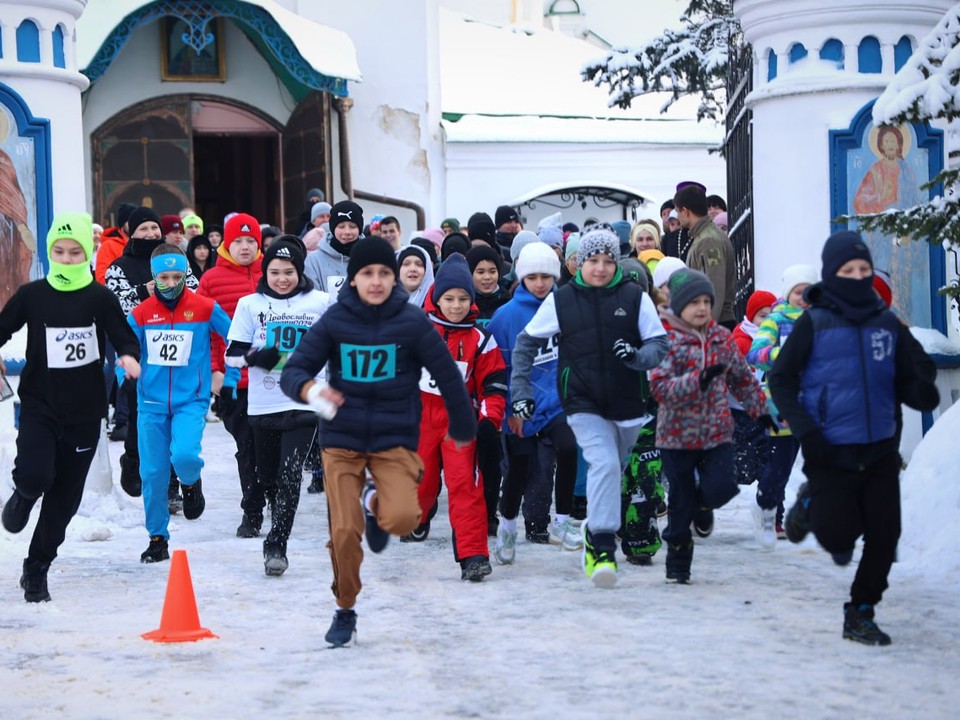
[(156, 551), (343, 630), (475, 568), (193, 501), (703, 523), (377, 537), (679, 560), (274, 558), (130, 476), (16, 511), (249, 526), (599, 558), (642, 560), (858, 625), (798, 517), (34, 581), (842, 558)]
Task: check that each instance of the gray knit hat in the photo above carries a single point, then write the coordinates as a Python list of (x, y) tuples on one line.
[(599, 238), (685, 285)]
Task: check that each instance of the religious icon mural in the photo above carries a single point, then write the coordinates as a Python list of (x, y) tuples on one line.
[(18, 206), (882, 167)]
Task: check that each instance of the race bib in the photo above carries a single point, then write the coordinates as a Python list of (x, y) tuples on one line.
[(334, 283), (429, 385), (547, 352), (368, 363), (72, 347), (285, 337), (170, 348)]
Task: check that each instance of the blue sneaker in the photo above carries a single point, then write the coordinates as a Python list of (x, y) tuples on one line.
[(377, 537), (343, 629)]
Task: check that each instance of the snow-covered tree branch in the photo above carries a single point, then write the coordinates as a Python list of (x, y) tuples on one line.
[(691, 61)]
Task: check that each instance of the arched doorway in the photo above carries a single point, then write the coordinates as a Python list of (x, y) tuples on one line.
[(209, 153)]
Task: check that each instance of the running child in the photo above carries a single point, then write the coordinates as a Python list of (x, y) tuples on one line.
[(62, 389), (173, 327), (376, 344)]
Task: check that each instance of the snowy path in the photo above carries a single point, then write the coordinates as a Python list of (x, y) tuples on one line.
[(756, 635)]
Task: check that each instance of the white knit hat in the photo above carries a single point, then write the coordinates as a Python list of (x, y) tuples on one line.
[(599, 238), (795, 275), (665, 269), (537, 257)]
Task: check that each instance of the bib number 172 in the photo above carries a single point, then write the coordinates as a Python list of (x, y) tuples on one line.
[(368, 363)]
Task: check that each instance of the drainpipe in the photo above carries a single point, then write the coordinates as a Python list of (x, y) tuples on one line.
[(342, 106)]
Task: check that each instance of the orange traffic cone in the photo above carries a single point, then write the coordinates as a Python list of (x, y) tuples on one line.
[(180, 621)]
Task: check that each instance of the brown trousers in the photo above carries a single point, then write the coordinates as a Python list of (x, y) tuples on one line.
[(396, 473)]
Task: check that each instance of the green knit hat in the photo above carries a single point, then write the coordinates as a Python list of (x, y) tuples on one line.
[(76, 226)]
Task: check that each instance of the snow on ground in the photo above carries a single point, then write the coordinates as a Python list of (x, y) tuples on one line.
[(756, 634)]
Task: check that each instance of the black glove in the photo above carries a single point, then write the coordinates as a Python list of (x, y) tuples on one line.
[(769, 424), (487, 432), (228, 401), (523, 409), (815, 448), (266, 358), (709, 373), (625, 351)]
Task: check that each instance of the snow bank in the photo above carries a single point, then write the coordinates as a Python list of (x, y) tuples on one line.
[(935, 342)]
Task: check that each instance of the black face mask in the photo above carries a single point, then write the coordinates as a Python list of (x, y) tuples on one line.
[(343, 249), (505, 239), (856, 299)]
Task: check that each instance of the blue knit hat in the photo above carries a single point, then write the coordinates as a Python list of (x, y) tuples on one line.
[(841, 248), (454, 273), (622, 229)]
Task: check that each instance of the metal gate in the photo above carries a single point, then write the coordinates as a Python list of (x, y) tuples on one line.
[(738, 150)]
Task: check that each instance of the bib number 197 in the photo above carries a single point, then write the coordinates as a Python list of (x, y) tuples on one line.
[(368, 363)]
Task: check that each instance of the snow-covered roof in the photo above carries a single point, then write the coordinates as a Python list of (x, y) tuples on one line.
[(502, 71), (328, 51)]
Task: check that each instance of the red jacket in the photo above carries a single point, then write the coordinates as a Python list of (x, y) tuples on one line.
[(226, 283), (112, 242), (742, 340), (479, 359)]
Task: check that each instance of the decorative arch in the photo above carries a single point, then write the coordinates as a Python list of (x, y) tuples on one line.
[(257, 24), (832, 50), (59, 56), (797, 52), (902, 52), (869, 59), (771, 64), (28, 42)]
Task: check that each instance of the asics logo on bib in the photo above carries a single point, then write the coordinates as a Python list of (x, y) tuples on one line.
[(168, 337), (74, 335)]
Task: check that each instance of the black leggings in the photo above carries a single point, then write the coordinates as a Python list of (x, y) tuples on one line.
[(515, 483), (281, 441), (52, 461)]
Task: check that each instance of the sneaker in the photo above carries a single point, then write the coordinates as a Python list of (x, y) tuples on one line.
[(600, 565), (377, 537), (798, 517), (343, 630), (193, 501), (566, 535), (274, 561), (34, 581), (475, 568), (316, 482), (858, 625), (418, 534), (766, 527), (703, 523), (781, 533), (842, 558), (130, 476), (156, 551), (249, 526), (538, 537), (16, 511), (642, 560), (174, 499), (505, 550)]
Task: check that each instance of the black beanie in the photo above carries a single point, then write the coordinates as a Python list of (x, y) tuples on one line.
[(454, 273), (139, 216), (283, 250), (482, 252), (293, 240), (123, 213), (428, 246), (346, 211), (841, 248), (406, 252), (453, 244), (505, 213), (373, 250)]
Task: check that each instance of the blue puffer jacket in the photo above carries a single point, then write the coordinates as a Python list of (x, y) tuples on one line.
[(848, 387), (375, 354), (508, 322)]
